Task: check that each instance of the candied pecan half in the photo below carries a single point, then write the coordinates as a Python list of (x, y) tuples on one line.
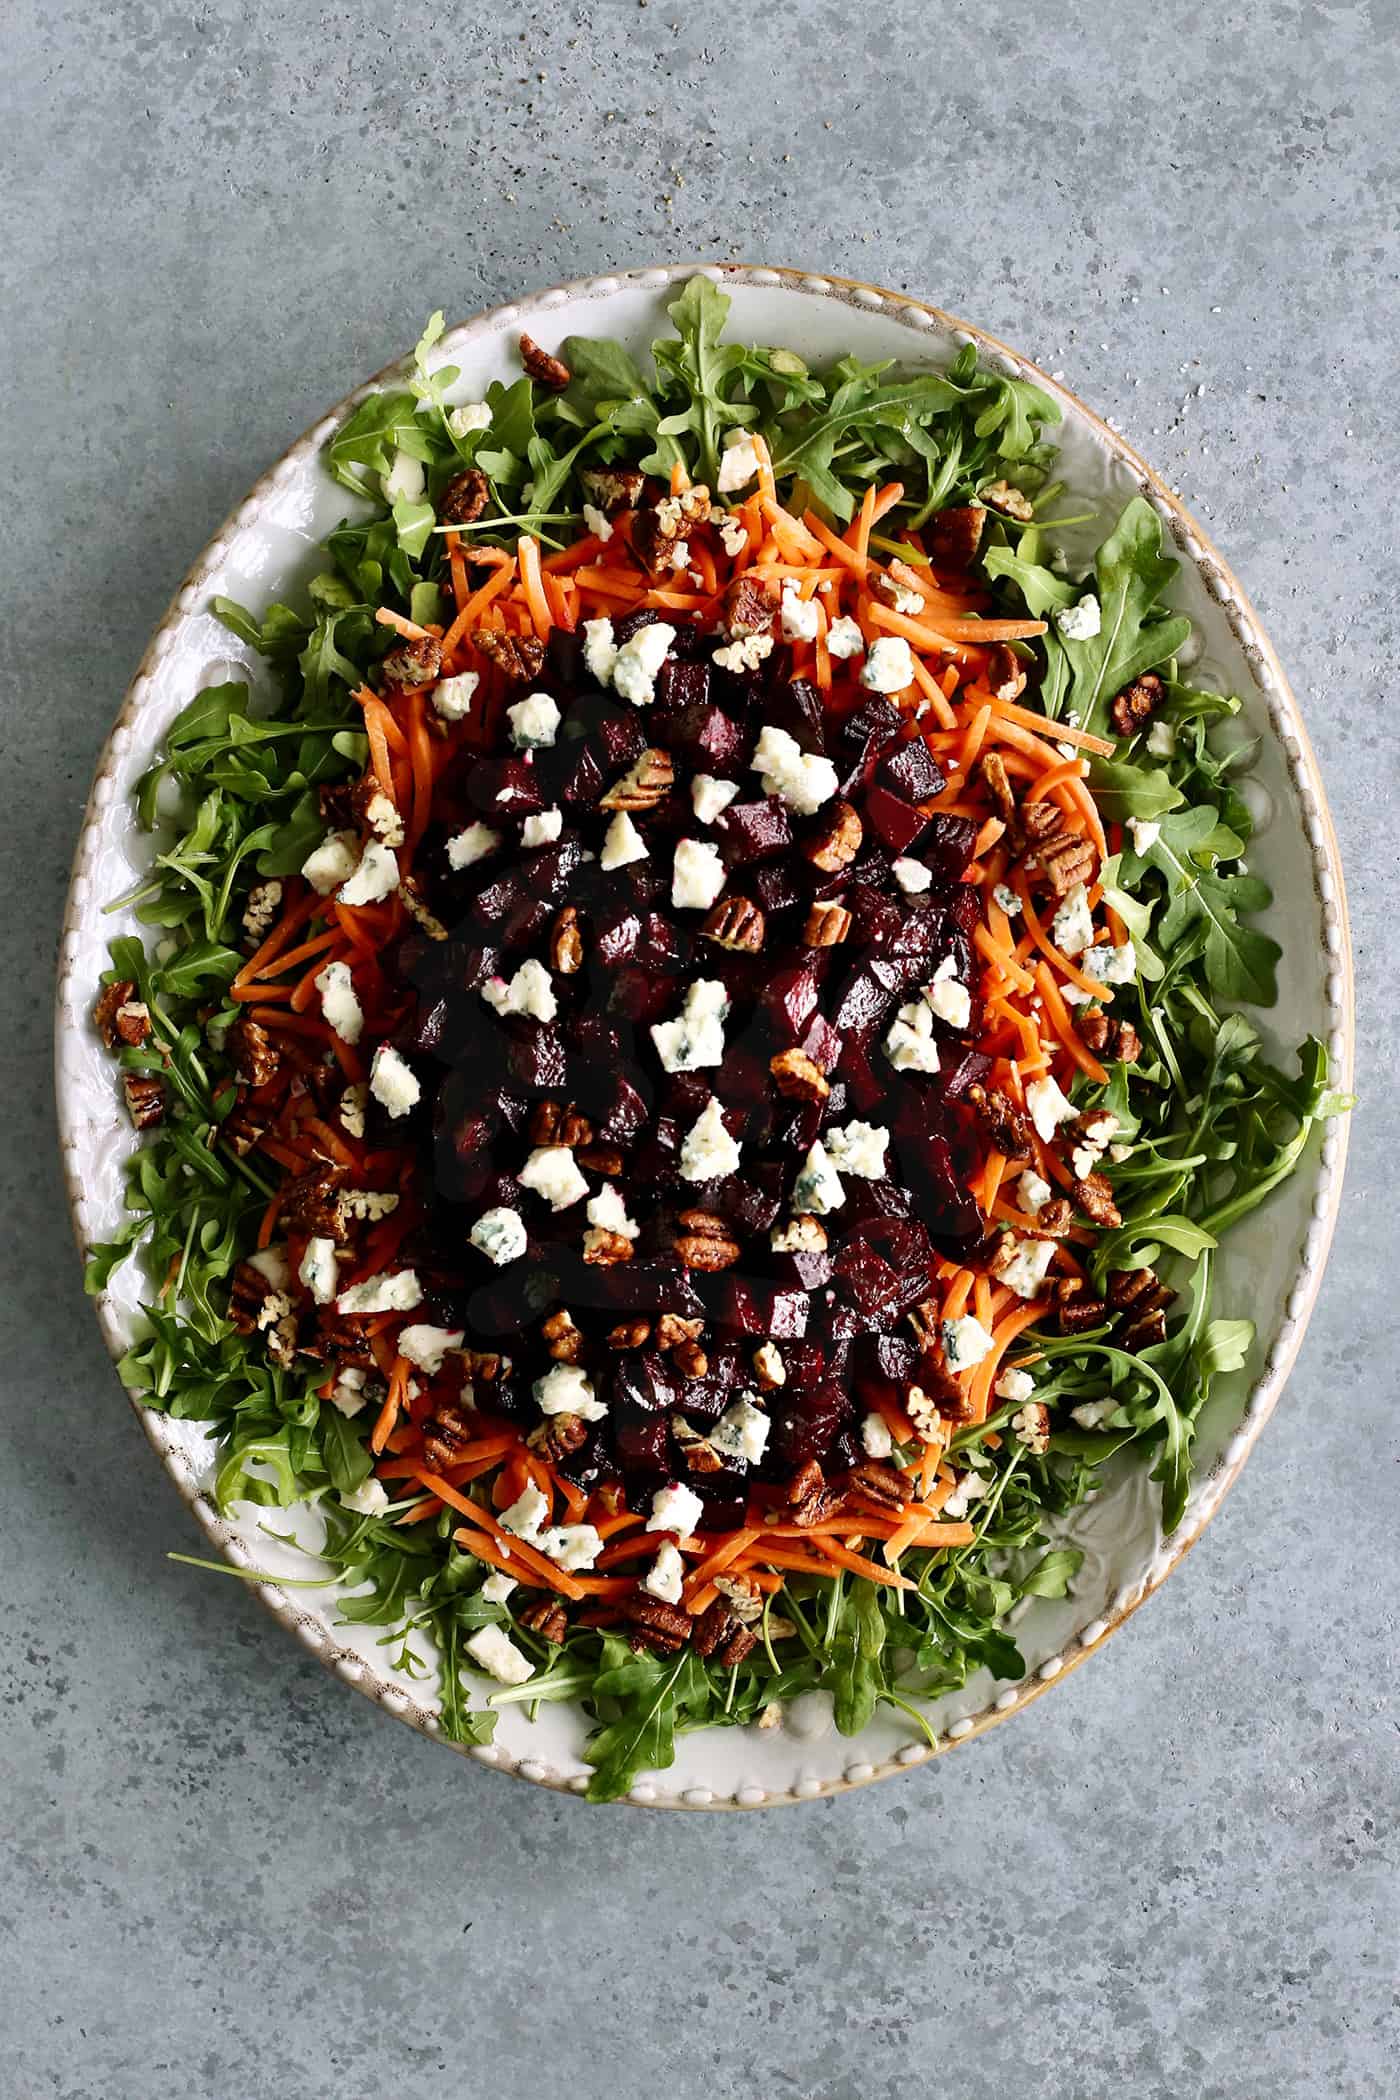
[(690, 1360), (672, 1329), (613, 488), (313, 1203), (997, 781), (446, 1433), (1140, 1299), (827, 925), (1094, 1195), (798, 1077), (483, 1365), (1011, 502), (646, 783), (721, 1634), (809, 1497), (562, 1338), (411, 891), (954, 536), (604, 1249), (264, 901), (629, 1334), (243, 1127), (256, 1306), (1006, 1125), (1054, 1219), (837, 842), (1119, 1041), (749, 606), (936, 1398), (736, 924), (548, 1619), (1031, 1425), (559, 1123), (1067, 860), (145, 1099), (254, 1055), (107, 1005), (1078, 1312), (518, 657), (703, 1241), (1134, 707), (884, 1485), (1005, 673), (414, 662), (664, 1628), (698, 1452), (566, 943), (1041, 820), (926, 1321), (660, 529), (743, 1595), (601, 1159), (464, 498), (549, 371)]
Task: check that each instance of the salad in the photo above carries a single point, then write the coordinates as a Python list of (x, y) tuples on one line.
[(688, 1047)]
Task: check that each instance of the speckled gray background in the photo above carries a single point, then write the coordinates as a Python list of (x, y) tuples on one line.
[(223, 1876)]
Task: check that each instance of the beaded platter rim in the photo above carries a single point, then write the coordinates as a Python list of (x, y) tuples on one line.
[(1310, 806)]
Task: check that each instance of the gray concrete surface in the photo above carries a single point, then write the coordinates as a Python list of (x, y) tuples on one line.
[(222, 1874)]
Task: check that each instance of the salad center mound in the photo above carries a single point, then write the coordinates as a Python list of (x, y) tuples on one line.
[(689, 1102)]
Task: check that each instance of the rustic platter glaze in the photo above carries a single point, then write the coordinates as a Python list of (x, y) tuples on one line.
[(1271, 1265)]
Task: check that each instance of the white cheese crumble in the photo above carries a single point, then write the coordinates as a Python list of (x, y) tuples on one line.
[(469, 416), (910, 1046), (1025, 1271), (498, 1655), (497, 1587), (1072, 928), (696, 1037), (858, 1148), (333, 862), (376, 877), (529, 992), (742, 1431), (965, 1342), (553, 1172), (904, 600), (500, 1235), (675, 1508), (738, 464), (1016, 1386), (818, 1188), (392, 1082), (799, 617), (599, 649), (317, 1270), (1081, 622), (524, 1519), (1033, 1192), (1161, 739), (1005, 899), (1145, 834), (597, 521), (471, 845), (769, 1364), (970, 1487), (912, 876), (950, 1000), (1092, 1414), (397, 1293), (348, 1395), (406, 481), (369, 1499), (542, 829), (889, 667), (844, 639), (427, 1346), (637, 662), (1048, 1106), (697, 875), (745, 654), (622, 844), (571, 1546), (608, 1211), (339, 1002), (709, 1152), (666, 1575), (453, 697), (534, 722), (876, 1437), (801, 778), (1110, 965), (710, 798)]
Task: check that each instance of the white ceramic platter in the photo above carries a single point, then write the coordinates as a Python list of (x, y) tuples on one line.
[(1271, 1266)]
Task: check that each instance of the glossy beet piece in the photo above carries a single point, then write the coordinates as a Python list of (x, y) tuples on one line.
[(759, 1309), (776, 887), (804, 1426), (616, 937), (876, 918), (724, 1510), (926, 1166), (753, 1200), (551, 872), (821, 1042), (862, 736), (642, 1442), (680, 687), (868, 1086), (622, 737), (960, 1069), (754, 830), (536, 1057), (633, 623), (639, 1286), (912, 772), (925, 931), (563, 661), (502, 788), (889, 1358), (864, 1002), (573, 772), (790, 1001), (641, 995), (803, 1272), (896, 822), (625, 1114), (797, 708), (947, 848)]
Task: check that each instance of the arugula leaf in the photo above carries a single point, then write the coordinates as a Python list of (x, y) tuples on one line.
[(643, 1737), (853, 1667), (1052, 1576), (1136, 631)]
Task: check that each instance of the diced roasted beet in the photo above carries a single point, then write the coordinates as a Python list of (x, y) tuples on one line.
[(586, 1466), (525, 922), (805, 1365), (796, 1126), (790, 1001), (572, 771), (633, 623), (803, 1272), (846, 1450), (864, 1001), (472, 1133), (724, 1510), (681, 687), (867, 1086), (776, 887), (474, 965), (924, 931), (797, 708), (563, 659), (502, 788), (709, 740), (596, 1039), (615, 937), (430, 1026), (550, 872), (753, 1307), (622, 737), (897, 822), (641, 1441), (875, 918), (656, 1284), (752, 1200), (510, 1300), (822, 1043), (641, 995), (912, 772), (626, 1113), (960, 1069), (755, 830), (926, 1165), (947, 847), (804, 1426), (536, 1057), (865, 1277), (863, 734), (889, 1358)]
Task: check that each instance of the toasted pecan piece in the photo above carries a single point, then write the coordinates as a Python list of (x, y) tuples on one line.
[(548, 370), (415, 662), (518, 657), (1134, 707), (954, 535), (736, 924), (798, 1077), (464, 498)]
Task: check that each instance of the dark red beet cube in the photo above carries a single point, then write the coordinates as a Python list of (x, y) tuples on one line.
[(911, 772), (724, 1510), (641, 1441), (803, 1272), (536, 1057), (797, 708), (755, 830), (873, 726), (822, 1043), (577, 772), (615, 938), (504, 787), (923, 932), (641, 995), (947, 848), (633, 623), (897, 822), (790, 1001), (681, 686), (803, 1429), (776, 888), (864, 1001), (876, 919), (622, 737), (960, 1070), (626, 1114)]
